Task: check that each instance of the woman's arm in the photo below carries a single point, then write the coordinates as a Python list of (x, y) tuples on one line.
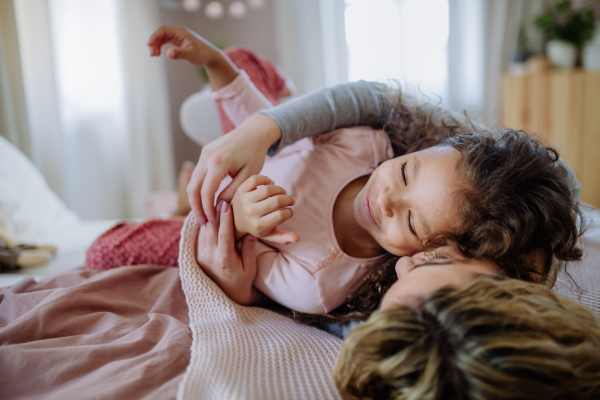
[(328, 109), (241, 153)]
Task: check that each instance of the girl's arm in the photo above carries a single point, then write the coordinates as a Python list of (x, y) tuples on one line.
[(188, 45)]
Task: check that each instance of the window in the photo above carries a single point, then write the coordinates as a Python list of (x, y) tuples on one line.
[(399, 39)]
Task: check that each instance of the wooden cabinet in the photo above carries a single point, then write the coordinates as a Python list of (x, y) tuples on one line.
[(563, 107)]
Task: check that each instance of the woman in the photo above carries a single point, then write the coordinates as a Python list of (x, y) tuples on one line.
[(489, 339)]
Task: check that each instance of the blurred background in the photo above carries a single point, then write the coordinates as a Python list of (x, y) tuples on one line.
[(99, 118)]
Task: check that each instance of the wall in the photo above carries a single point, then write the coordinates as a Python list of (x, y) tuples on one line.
[(256, 30)]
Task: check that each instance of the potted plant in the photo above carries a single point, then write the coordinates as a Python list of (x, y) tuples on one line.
[(567, 31)]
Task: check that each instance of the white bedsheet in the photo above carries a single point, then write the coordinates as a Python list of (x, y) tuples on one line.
[(71, 244)]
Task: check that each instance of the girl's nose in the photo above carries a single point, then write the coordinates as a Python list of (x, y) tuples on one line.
[(386, 201)]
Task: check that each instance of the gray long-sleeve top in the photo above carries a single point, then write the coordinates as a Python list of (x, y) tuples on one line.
[(351, 104)]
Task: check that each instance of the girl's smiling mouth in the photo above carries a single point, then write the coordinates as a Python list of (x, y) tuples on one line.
[(367, 207)]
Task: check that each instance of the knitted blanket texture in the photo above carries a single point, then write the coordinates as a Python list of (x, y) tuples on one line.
[(247, 352)]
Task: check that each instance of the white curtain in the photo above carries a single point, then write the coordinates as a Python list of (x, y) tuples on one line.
[(482, 40), (13, 116), (97, 104)]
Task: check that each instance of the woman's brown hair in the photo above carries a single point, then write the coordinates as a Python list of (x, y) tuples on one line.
[(486, 340)]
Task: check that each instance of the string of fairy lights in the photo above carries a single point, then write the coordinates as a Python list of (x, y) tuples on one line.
[(215, 9)]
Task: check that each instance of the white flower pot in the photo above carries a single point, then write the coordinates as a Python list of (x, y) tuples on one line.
[(591, 52), (561, 54), (591, 57)]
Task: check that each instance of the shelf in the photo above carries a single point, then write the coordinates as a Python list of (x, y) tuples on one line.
[(563, 108)]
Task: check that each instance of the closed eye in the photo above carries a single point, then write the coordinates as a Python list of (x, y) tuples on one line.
[(403, 169), (409, 223)]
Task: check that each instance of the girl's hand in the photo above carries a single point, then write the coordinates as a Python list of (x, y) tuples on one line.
[(218, 257), (195, 49), (260, 207), (187, 45)]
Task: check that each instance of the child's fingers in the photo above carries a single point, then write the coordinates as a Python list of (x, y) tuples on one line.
[(164, 35), (255, 181), (180, 53), (167, 34), (273, 203), (265, 192), (274, 219), (281, 237)]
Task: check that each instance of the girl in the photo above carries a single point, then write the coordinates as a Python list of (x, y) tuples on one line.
[(350, 209)]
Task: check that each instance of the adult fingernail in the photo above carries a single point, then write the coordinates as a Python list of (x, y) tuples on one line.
[(219, 207), (224, 207)]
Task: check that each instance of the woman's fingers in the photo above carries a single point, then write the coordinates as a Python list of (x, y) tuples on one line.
[(206, 178), (249, 254), (226, 244), (228, 193), (193, 192)]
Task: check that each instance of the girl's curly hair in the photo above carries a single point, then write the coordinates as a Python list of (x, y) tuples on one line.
[(516, 208)]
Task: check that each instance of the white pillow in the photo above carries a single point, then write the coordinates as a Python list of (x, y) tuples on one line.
[(29, 209)]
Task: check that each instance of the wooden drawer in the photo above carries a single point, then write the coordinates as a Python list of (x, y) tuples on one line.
[(563, 107)]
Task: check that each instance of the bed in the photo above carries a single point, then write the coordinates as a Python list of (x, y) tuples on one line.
[(135, 332), (156, 332)]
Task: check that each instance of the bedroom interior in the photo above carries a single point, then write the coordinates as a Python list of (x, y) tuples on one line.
[(94, 131)]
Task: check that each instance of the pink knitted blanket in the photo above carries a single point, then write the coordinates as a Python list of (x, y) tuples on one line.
[(247, 352)]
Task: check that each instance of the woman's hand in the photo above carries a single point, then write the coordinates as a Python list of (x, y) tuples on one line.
[(240, 154), (218, 257), (259, 207)]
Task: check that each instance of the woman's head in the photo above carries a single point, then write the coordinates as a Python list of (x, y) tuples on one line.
[(425, 273), (488, 339)]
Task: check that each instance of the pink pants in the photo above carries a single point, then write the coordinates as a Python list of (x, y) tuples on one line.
[(131, 243)]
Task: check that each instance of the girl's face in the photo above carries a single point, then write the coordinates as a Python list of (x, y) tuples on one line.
[(422, 274), (409, 197)]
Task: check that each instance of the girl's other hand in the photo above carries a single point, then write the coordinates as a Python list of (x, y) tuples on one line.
[(187, 45), (216, 253), (260, 207)]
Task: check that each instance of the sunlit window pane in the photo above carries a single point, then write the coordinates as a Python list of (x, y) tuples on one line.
[(399, 39), (87, 58), (373, 38)]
